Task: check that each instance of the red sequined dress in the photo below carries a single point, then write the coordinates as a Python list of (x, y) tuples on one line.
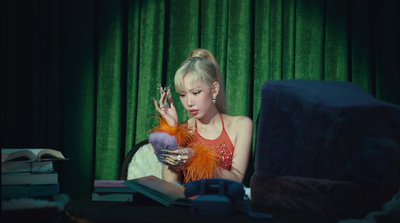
[(222, 144)]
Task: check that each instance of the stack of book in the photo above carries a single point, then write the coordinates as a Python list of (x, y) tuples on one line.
[(29, 173), (112, 190)]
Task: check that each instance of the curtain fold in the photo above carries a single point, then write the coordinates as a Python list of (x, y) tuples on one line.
[(110, 90), (309, 40), (78, 71), (239, 56), (361, 45), (150, 66), (80, 75), (336, 53), (79, 80)]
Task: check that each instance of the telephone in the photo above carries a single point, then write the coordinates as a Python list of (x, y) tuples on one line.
[(217, 196)]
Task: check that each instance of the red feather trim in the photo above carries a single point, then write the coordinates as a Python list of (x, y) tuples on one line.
[(180, 132), (202, 165)]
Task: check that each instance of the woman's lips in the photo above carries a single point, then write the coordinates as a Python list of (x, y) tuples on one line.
[(194, 112)]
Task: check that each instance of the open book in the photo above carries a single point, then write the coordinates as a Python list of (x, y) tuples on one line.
[(30, 154), (159, 190)]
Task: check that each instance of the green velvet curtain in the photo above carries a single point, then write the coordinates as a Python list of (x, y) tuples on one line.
[(79, 76)]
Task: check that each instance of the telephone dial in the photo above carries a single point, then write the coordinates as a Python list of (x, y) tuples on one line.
[(219, 197)]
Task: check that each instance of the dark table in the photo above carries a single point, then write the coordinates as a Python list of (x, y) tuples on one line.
[(144, 209)]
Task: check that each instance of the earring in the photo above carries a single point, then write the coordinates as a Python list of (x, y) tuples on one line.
[(214, 99)]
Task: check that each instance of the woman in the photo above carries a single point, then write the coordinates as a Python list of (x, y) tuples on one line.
[(198, 82)]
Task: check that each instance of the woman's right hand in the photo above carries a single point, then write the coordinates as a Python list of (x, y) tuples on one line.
[(166, 107)]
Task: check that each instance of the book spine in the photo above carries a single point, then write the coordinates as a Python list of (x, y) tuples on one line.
[(126, 197), (113, 190), (29, 178), (20, 191), (109, 183), (21, 167)]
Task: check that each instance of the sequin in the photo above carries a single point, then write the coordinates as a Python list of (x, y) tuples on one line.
[(225, 160)]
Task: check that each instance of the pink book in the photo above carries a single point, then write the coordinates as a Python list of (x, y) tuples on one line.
[(109, 183), (111, 186)]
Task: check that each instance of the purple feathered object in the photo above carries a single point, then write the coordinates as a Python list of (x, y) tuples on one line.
[(162, 142)]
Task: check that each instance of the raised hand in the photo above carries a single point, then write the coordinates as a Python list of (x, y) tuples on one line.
[(166, 107)]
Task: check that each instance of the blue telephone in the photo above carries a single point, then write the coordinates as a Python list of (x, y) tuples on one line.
[(217, 196)]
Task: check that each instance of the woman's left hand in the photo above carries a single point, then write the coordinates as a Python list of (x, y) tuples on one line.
[(178, 157), (165, 107)]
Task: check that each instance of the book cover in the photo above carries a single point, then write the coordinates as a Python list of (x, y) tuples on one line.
[(125, 197), (30, 154), (109, 186), (110, 183), (159, 190), (29, 178), (113, 189), (20, 191), (22, 166)]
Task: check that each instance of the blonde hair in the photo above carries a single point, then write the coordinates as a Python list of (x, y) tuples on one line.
[(203, 69), (203, 53)]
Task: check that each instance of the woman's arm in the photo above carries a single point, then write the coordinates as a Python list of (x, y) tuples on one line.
[(244, 136), (169, 174), (168, 112)]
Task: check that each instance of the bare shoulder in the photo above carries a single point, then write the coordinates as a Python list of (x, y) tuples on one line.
[(240, 130), (238, 122)]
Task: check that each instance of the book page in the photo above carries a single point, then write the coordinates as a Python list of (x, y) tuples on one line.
[(10, 154), (31, 154), (51, 152)]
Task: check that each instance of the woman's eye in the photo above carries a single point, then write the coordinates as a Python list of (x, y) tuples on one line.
[(197, 92), (181, 95)]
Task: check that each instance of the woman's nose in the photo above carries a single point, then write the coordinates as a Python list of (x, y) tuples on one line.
[(189, 101)]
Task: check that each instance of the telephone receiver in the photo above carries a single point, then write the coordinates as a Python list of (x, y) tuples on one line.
[(217, 196)]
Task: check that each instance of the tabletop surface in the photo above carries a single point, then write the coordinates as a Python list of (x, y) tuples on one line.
[(144, 209)]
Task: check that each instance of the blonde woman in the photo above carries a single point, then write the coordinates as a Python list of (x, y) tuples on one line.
[(201, 92)]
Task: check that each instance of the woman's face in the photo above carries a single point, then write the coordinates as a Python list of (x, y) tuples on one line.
[(196, 97)]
